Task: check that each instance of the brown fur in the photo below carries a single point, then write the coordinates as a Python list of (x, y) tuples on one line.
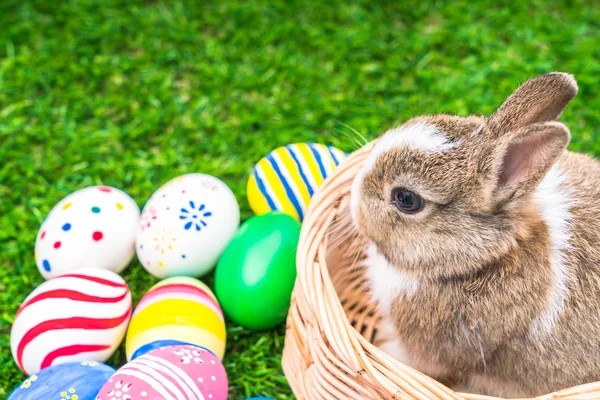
[(481, 250)]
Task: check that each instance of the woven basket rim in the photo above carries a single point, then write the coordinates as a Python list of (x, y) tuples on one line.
[(324, 356)]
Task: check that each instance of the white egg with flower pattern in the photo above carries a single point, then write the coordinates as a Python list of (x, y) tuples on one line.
[(186, 225), (90, 228)]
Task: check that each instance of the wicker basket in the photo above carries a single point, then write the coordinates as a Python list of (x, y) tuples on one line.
[(330, 346)]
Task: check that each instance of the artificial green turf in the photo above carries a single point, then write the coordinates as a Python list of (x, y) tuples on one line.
[(130, 94)]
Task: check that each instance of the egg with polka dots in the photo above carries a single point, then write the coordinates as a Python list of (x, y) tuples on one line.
[(92, 228), (169, 373), (186, 225)]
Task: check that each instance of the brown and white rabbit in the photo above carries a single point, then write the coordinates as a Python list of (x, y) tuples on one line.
[(485, 254)]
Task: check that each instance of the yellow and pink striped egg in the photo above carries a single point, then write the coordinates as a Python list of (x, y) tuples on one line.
[(179, 309)]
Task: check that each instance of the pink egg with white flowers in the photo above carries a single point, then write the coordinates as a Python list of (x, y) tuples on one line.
[(79, 316), (182, 372), (91, 228)]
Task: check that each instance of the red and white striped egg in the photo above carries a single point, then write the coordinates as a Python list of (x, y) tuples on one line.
[(78, 316), (181, 372)]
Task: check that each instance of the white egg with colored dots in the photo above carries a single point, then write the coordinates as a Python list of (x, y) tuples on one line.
[(186, 225), (91, 228)]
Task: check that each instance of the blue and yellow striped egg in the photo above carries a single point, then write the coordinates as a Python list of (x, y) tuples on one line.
[(286, 178)]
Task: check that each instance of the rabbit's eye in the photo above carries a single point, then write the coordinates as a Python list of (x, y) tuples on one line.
[(407, 201)]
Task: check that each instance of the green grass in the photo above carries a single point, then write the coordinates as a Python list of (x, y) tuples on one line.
[(131, 94)]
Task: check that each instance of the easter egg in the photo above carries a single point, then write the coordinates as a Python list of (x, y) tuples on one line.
[(78, 316), (256, 273), (169, 373), (186, 225), (69, 381), (286, 178), (157, 344), (176, 309), (92, 228)]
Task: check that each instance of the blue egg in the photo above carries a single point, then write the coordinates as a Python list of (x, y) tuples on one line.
[(68, 381), (157, 344)]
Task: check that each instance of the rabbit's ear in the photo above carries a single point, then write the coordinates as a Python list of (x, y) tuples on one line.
[(525, 156), (539, 99)]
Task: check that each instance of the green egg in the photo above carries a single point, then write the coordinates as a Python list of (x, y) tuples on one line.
[(256, 273)]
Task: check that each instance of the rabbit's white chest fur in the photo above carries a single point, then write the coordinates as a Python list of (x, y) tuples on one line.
[(387, 283)]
